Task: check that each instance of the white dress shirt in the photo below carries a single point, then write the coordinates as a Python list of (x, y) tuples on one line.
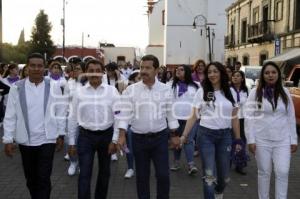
[(148, 110), (94, 109), (214, 115), (36, 116), (266, 124)]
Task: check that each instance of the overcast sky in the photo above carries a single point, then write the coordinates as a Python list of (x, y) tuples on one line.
[(122, 22)]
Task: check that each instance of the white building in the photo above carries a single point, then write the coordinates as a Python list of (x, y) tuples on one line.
[(117, 54), (171, 35)]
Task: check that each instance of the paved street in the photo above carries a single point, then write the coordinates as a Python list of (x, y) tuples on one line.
[(12, 182)]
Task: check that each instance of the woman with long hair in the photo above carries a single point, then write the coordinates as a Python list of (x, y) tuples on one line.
[(24, 72), (240, 94), (216, 106), (114, 77), (198, 70), (11, 75), (184, 90), (270, 128)]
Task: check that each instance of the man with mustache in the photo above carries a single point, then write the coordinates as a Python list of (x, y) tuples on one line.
[(148, 108)]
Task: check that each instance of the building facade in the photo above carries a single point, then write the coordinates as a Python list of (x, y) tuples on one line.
[(260, 29), (171, 35)]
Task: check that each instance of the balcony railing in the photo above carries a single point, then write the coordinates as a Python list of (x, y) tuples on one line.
[(229, 41), (261, 31)]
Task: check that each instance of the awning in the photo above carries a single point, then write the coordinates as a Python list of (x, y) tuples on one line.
[(286, 60)]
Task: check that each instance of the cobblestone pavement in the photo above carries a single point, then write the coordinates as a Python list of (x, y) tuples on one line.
[(12, 182)]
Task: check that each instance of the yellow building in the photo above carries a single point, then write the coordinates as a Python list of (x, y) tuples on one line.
[(254, 26)]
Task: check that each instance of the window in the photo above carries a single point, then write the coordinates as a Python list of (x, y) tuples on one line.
[(163, 17), (234, 60), (262, 58), (246, 60), (244, 31), (255, 15), (121, 59), (278, 11), (297, 15)]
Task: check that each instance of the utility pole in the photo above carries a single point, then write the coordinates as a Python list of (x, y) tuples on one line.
[(1, 41), (208, 33), (64, 27)]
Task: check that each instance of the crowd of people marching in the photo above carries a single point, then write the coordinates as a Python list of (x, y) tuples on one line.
[(205, 109)]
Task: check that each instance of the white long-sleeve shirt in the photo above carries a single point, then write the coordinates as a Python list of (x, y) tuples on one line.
[(183, 105), (148, 110), (241, 103), (266, 124), (94, 109)]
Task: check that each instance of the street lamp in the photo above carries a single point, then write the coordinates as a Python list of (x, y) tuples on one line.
[(1, 41), (64, 27), (207, 29)]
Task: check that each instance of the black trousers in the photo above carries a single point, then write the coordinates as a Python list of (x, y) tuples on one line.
[(88, 143), (37, 164)]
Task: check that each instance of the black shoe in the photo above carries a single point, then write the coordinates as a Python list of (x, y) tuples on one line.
[(240, 171)]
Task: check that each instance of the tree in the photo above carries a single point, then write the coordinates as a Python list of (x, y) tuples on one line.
[(40, 37), (15, 54), (21, 38)]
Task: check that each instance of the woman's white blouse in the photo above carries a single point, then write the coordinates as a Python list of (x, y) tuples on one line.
[(267, 124)]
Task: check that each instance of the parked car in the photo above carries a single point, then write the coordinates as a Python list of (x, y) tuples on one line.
[(293, 84), (252, 75)]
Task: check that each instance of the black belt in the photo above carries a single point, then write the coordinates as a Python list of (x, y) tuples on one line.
[(150, 134), (109, 130)]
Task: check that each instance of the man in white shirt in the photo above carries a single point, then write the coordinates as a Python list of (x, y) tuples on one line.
[(35, 119), (126, 71), (94, 111), (147, 106)]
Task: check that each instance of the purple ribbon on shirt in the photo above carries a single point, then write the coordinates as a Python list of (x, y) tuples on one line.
[(55, 77), (269, 93), (183, 87), (238, 97), (12, 80)]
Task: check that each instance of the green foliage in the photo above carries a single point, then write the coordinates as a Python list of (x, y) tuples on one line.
[(40, 38), (15, 54)]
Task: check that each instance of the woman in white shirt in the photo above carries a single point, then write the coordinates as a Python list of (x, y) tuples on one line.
[(184, 90), (240, 94), (218, 119), (56, 75), (270, 128), (11, 75), (73, 84)]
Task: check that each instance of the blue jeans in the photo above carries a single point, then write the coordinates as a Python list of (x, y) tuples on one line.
[(129, 156), (155, 148), (215, 148), (88, 143), (189, 146)]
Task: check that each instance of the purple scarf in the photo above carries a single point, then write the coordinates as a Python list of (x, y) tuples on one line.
[(55, 77), (183, 87), (269, 93), (12, 80), (196, 78)]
